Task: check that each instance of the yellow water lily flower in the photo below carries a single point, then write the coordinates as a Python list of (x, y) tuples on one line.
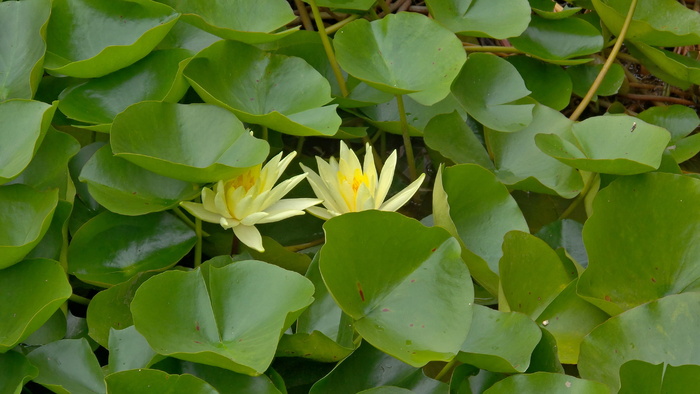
[(346, 186), (251, 199)]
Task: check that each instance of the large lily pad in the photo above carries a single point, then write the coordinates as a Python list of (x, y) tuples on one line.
[(15, 371), (611, 144), (252, 22), (151, 380), (23, 312), (679, 120), (543, 382), (638, 376), (678, 70), (209, 321), (26, 215), (121, 32), (642, 241), (482, 18), (22, 46), (584, 75), (128, 349), (127, 189), (110, 248), (489, 88), (156, 77), (167, 139), (475, 208), (404, 284), (450, 135), (225, 381), (69, 366), (543, 38), (24, 124), (660, 331), (255, 85), (377, 53), (549, 83)]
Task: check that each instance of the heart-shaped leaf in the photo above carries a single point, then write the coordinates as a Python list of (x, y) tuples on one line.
[(482, 18), (450, 135), (69, 366), (110, 248), (137, 380), (209, 321), (121, 32), (127, 189), (566, 234), (128, 349), (252, 22), (641, 241), (404, 284), (166, 138), (475, 208), (26, 217), (24, 124), (488, 88), (550, 84), (377, 53), (22, 46), (23, 312), (15, 371), (660, 331), (157, 77), (543, 38), (544, 382), (611, 144), (255, 85)]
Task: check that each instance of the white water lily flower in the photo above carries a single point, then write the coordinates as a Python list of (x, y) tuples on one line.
[(251, 199), (346, 186)]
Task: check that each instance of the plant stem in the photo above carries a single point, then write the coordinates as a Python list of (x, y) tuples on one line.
[(304, 15), (79, 300), (329, 49), (586, 188), (406, 139), (333, 28), (494, 48), (446, 369), (178, 212), (198, 245), (300, 145), (608, 63), (264, 133)]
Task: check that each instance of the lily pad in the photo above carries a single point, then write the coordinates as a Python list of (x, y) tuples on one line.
[(543, 38), (523, 166), (489, 88), (482, 18), (374, 52), (158, 77), (549, 83), (566, 234), (15, 371), (660, 331), (26, 215), (166, 138), (544, 382), (225, 381), (24, 312), (206, 320), (252, 22), (404, 284), (151, 380), (641, 241), (128, 349), (450, 135), (477, 209), (69, 366), (127, 189), (638, 376), (611, 144), (24, 124), (121, 33), (255, 85), (678, 70), (110, 248), (584, 75), (22, 47), (679, 120), (185, 36)]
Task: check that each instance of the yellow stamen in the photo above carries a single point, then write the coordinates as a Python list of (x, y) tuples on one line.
[(247, 179)]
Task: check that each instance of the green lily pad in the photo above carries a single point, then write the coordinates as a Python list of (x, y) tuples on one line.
[(188, 37), (611, 144), (69, 366), (475, 208), (128, 349), (110, 248), (549, 83), (523, 166), (679, 120), (252, 22), (566, 234), (489, 88), (404, 284), (362, 5), (22, 47), (675, 26), (638, 376), (500, 341), (482, 18), (255, 86), (24, 124), (368, 368), (278, 255), (206, 320), (583, 76), (121, 33), (225, 381), (157, 77), (685, 148), (150, 380), (26, 215), (660, 331), (24, 312), (532, 275), (374, 52), (450, 135), (675, 69), (549, 12), (53, 330), (641, 241), (166, 138), (127, 189), (543, 38), (15, 371), (544, 382)]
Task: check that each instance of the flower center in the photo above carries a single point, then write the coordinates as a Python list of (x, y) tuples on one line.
[(246, 180)]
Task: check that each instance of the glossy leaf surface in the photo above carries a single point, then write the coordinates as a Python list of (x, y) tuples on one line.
[(150, 380), (482, 18), (543, 38), (546, 382), (15, 371)]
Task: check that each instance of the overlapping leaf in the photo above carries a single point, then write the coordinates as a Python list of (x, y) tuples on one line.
[(482, 18)]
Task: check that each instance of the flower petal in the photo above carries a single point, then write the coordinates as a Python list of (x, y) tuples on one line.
[(280, 216), (348, 156), (208, 197), (199, 211), (321, 213), (220, 200), (250, 236), (385, 179), (369, 168), (321, 189), (403, 196), (363, 199), (295, 204), (254, 218)]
